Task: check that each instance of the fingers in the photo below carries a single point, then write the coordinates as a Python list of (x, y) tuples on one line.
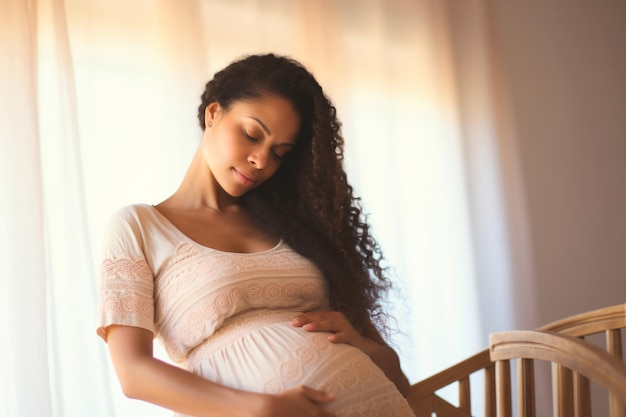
[(297, 401), (317, 396), (321, 321), (328, 321)]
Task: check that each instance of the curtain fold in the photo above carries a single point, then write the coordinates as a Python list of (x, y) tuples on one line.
[(71, 287), (24, 366), (492, 172), (98, 110)]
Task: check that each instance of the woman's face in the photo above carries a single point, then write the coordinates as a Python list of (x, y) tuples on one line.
[(244, 145)]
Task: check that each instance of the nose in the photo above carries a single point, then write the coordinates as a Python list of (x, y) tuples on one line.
[(259, 158)]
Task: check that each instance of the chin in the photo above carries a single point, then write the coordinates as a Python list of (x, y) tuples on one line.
[(238, 193)]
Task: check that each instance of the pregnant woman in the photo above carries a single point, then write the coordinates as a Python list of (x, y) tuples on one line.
[(259, 275)]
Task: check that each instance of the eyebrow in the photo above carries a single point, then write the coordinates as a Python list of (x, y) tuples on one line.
[(269, 132), (265, 128)]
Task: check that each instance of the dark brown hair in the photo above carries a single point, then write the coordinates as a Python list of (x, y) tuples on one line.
[(308, 202)]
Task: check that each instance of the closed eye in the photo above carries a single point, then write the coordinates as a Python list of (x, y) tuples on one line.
[(249, 137), (280, 151)]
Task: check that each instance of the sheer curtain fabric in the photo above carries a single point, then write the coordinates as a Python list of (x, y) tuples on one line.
[(98, 110)]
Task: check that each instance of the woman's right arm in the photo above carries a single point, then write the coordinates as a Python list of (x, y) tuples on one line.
[(144, 377)]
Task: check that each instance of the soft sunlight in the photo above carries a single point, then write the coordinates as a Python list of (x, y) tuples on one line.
[(117, 90)]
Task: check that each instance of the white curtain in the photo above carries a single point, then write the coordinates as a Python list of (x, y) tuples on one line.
[(97, 110)]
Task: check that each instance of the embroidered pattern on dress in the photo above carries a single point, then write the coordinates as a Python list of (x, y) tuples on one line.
[(126, 286), (214, 286), (292, 368), (122, 268), (211, 313), (343, 376)]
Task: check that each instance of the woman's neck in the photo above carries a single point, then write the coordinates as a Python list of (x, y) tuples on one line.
[(199, 190)]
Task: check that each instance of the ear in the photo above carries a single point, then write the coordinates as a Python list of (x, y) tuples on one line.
[(210, 113)]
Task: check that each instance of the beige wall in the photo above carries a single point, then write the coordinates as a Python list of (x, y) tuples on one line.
[(566, 66)]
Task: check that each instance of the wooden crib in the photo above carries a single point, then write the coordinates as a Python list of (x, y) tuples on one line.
[(574, 363)]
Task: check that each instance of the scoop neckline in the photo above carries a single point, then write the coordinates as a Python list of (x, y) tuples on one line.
[(171, 225)]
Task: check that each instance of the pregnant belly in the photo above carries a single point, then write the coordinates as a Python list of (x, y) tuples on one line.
[(263, 352)]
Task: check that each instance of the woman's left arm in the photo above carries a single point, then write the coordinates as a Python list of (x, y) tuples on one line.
[(342, 331)]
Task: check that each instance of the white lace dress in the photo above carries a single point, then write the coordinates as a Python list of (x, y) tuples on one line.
[(227, 316)]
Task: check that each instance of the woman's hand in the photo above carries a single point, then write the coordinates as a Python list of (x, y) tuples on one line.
[(338, 325), (342, 331), (299, 401)]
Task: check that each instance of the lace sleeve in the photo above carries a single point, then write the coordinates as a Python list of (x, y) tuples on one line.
[(126, 284)]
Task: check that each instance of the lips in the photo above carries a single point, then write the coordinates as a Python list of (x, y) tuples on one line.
[(245, 178)]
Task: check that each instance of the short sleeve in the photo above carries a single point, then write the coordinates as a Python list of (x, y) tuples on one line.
[(126, 282)]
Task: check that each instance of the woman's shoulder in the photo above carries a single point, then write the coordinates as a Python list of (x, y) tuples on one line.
[(134, 226), (132, 210), (131, 218), (132, 214)]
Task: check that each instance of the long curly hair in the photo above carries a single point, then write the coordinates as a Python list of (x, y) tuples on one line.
[(309, 202)]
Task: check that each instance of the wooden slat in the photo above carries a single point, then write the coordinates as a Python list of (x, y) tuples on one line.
[(526, 388), (614, 342), (582, 396), (503, 388), (563, 396), (614, 347), (465, 395), (490, 391)]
